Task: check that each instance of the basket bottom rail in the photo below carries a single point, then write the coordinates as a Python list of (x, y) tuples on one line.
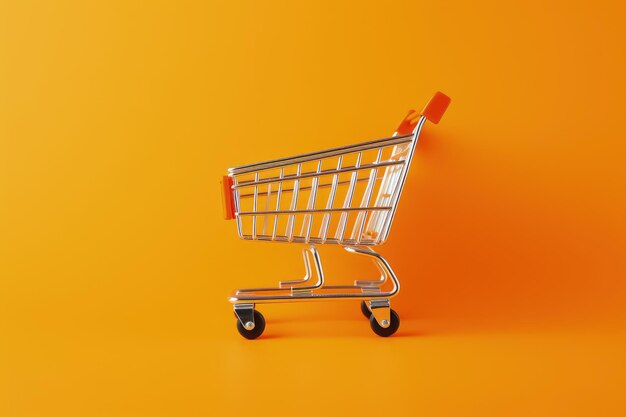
[(264, 298), (305, 290)]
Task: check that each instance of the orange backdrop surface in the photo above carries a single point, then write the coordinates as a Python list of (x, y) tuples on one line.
[(118, 119)]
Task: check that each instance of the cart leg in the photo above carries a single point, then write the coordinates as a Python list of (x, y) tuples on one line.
[(304, 289), (375, 282), (307, 276), (383, 267)]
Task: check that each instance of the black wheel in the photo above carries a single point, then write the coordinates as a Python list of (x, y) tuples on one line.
[(393, 326), (259, 326), (366, 311)]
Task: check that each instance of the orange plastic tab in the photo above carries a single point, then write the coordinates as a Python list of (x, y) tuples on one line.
[(227, 194), (436, 107), (408, 123)]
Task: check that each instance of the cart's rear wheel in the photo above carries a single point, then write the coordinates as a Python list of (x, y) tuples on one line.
[(386, 331), (256, 331), (366, 311)]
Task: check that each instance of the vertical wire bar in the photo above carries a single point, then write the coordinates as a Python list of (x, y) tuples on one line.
[(294, 204), (311, 204), (401, 179), (267, 208), (366, 198), (239, 231), (331, 200), (387, 188), (394, 178), (346, 204), (278, 194), (384, 193), (254, 204), (394, 187)]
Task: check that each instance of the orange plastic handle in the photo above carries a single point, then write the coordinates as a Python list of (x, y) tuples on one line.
[(433, 111), (408, 123), (436, 107), (227, 194)]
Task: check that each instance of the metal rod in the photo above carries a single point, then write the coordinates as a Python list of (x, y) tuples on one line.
[(344, 216), (304, 211), (359, 224), (405, 172), (330, 184), (254, 204), (307, 275), (308, 218), (243, 296), (363, 146), (365, 167), (267, 207), (280, 189), (318, 270), (237, 208), (331, 201), (313, 240), (294, 204)]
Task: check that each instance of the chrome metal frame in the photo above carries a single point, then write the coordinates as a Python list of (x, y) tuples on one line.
[(370, 227)]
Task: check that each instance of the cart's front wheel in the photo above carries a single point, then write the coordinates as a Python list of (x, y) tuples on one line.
[(256, 331), (366, 311), (386, 331)]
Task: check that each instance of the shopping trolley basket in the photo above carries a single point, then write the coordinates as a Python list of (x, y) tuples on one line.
[(346, 196)]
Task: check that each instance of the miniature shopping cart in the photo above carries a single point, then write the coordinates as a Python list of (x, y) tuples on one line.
[(346, 196)]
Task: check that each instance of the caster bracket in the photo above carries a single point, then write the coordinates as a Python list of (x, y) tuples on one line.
[(380, 311), (245, 315)]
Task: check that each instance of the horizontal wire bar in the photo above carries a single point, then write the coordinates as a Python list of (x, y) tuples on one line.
[(363, 146), (315, 240), (308, 188), (251, 183), (333, 210)]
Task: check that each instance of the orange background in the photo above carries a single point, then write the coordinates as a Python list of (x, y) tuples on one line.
[(117, 120)]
